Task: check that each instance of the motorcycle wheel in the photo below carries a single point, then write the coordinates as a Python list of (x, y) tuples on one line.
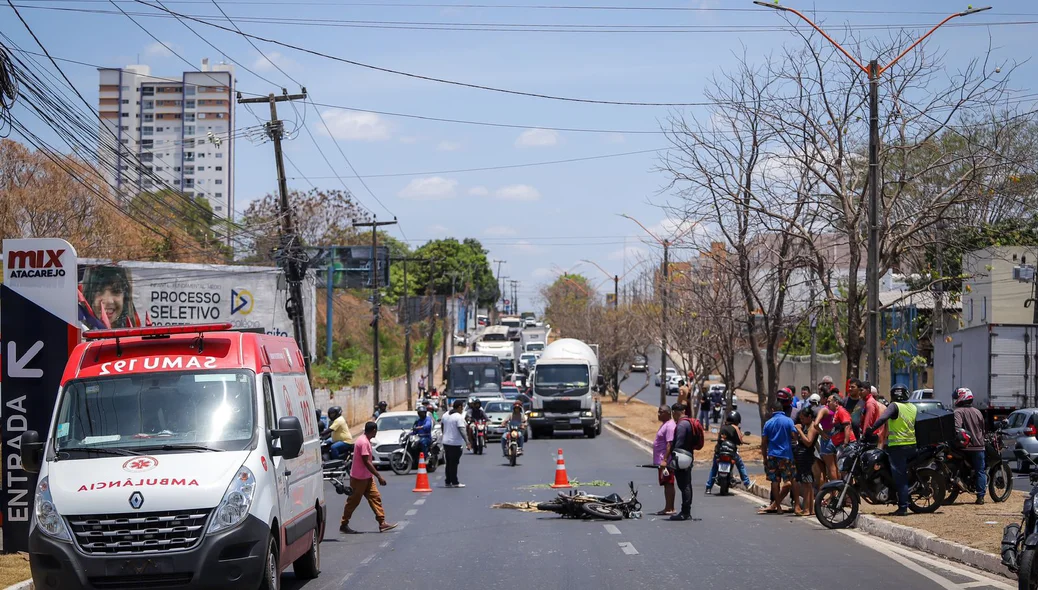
[(430, 465), (598, 510), (952, 495), (555, 507), (511, 459), (826, 509), (724, 483), (1027, 578), (929, 492), (1000, 483), (400, 463)]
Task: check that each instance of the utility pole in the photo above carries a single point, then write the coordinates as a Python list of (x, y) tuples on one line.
[(515, 296), (498, 278), (814, 339), (291, 254), (432, 318), (329, 302), (616, 291), (376, 307), (663, 324)]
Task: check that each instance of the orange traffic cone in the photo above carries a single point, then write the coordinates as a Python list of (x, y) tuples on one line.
[(561, 479), (422, 483)]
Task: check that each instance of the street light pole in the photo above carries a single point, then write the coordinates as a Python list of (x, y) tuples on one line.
[(873, 71)]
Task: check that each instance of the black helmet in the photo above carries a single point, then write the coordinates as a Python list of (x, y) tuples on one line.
[(334, 412), (734, 418), (899, 393), (382, 404), (422, 409)]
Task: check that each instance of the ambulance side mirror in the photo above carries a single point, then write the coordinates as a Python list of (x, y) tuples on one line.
[(32, 451), (290, 435)]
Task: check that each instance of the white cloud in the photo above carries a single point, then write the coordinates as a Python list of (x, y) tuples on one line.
[(355, 126), (537, 138), (542, 273), (157, 49), (429, 189), (670, 227), (615, 138), (448, 146), (499, 230), (517, 192), (263, 63), (479, 191), (629, 253), (436, 230)]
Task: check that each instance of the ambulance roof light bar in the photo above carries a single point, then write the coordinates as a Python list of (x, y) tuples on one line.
[(156, 331)]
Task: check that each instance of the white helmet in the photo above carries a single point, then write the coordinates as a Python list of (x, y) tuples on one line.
[(682, 459), (815, 399)]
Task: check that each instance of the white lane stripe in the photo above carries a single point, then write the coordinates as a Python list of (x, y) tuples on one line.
[(628, 548), (384, 544), (419, 502), (403, 523), (367, 560), (611, 529), (411, 512)]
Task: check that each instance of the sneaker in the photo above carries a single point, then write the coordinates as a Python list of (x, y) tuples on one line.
[(346, 530), (899, 512), (459, 485), (680, 516), (386, 527), (980, 500), (448, 485), (710, 491), (747, 484)]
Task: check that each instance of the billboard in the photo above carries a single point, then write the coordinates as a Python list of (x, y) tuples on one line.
[(130, 293), (351, 266)]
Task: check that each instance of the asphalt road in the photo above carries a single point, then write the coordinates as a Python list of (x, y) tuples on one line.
[(454, 538)]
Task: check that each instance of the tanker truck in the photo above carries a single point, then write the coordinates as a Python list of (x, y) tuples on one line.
[(565, 390)]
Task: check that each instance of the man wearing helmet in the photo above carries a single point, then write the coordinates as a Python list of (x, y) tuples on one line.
[(517, 419), (900, 441), (380, 409), (342, 440), (731, 432), (423, 427), (971, 420)]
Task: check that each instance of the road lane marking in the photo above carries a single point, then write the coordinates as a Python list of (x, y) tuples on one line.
[(367, 560), (628, 548), (402, 524), (419, 502), (384, 544), (411, 512), (611, 529)]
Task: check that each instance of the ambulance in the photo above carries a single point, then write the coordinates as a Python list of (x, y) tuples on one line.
[(178, 456)]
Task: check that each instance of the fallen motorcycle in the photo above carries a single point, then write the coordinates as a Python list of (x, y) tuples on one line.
[(579, 504), (336, 471)]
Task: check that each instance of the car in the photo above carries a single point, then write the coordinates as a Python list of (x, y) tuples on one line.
[(528, 360), (921, 394), (518, 379), (1021, 432), (673, 384), (670, 371), (526, 400), (460, 339), (927, 405), (390, 426), (640, 364), (498, 410), (530, 323)]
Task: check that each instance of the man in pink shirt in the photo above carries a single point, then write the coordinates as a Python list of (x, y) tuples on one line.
[(362, 473), (871, 413), (660, 447)]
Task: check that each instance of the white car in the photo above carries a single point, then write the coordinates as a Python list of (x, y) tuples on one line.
[(498, 410), (390, 426), (528, 360), (672, 383), (670, 371), (530, 323)]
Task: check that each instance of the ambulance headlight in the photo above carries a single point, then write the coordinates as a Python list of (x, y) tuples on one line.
[(47, 517), (236, 502)]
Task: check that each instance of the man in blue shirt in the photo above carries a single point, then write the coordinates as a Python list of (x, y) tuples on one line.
[(423, 427), (777, 447)]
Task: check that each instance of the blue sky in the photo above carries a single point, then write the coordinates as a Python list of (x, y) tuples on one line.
[(540, 219)]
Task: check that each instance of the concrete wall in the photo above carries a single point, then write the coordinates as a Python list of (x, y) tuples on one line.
[(993, 296), (794, 371), (358, 402)]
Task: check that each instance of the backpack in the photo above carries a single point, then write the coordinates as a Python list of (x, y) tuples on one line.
[(698, 438)]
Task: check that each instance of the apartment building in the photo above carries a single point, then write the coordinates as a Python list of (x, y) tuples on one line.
[(169, 132)]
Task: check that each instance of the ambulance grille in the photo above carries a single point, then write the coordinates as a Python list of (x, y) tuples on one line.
[(116, 534)]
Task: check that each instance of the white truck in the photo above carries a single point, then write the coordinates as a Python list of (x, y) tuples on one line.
[(495, 341), (565, 390), (534, 339), (999, 362)]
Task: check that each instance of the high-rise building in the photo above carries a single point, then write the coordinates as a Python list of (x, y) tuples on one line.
[(160, 133)]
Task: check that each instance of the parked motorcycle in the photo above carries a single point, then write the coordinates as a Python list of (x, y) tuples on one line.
[(512, 450), (961, 478), (478, 430), (406, 457), (579, 504), (869, 478), (1020, 541), (336, 471), (725, 457)]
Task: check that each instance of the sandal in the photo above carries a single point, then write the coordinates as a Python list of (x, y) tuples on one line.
[(664, 513), (766, 510)]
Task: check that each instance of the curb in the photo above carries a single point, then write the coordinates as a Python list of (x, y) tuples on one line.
[(23, 585), (877, 527)]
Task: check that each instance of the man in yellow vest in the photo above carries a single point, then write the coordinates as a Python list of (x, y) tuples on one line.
[(900, 441)]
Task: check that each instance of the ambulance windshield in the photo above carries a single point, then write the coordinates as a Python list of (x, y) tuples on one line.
[(157, 412)]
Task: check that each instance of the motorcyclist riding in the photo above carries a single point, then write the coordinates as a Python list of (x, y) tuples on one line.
[(380, 409), (733, 434), (342, 440), (423, 427), (972, 421), (900, 441), (518, 419), (716, 398), (475, 411)]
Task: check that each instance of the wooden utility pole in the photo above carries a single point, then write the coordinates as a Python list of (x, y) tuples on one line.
[(291, 254), (665, 293), (432, 318), (376, 310)]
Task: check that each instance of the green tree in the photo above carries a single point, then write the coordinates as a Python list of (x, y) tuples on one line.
[(462, 266)]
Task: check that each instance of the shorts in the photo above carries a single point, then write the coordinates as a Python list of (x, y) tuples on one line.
[(778, 469), (664, 480), (805, 477), (827, 447)]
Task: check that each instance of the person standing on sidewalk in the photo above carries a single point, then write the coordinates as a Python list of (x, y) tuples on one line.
[(777, 447), (362, 476), (704, 408), (972, 421), (871, 412), (454, 437), (660, 451), (900, 441), (688, 437)]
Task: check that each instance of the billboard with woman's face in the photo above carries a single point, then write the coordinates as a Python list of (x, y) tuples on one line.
[(106, 297)]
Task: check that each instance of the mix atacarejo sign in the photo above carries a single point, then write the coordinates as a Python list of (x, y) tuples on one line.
[(38, 330)]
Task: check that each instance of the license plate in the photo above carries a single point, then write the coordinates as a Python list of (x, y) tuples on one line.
[(139, 567), (724, 467), (574, 420)]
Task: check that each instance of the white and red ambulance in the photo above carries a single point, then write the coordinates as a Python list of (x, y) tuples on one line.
[(178, 456)]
